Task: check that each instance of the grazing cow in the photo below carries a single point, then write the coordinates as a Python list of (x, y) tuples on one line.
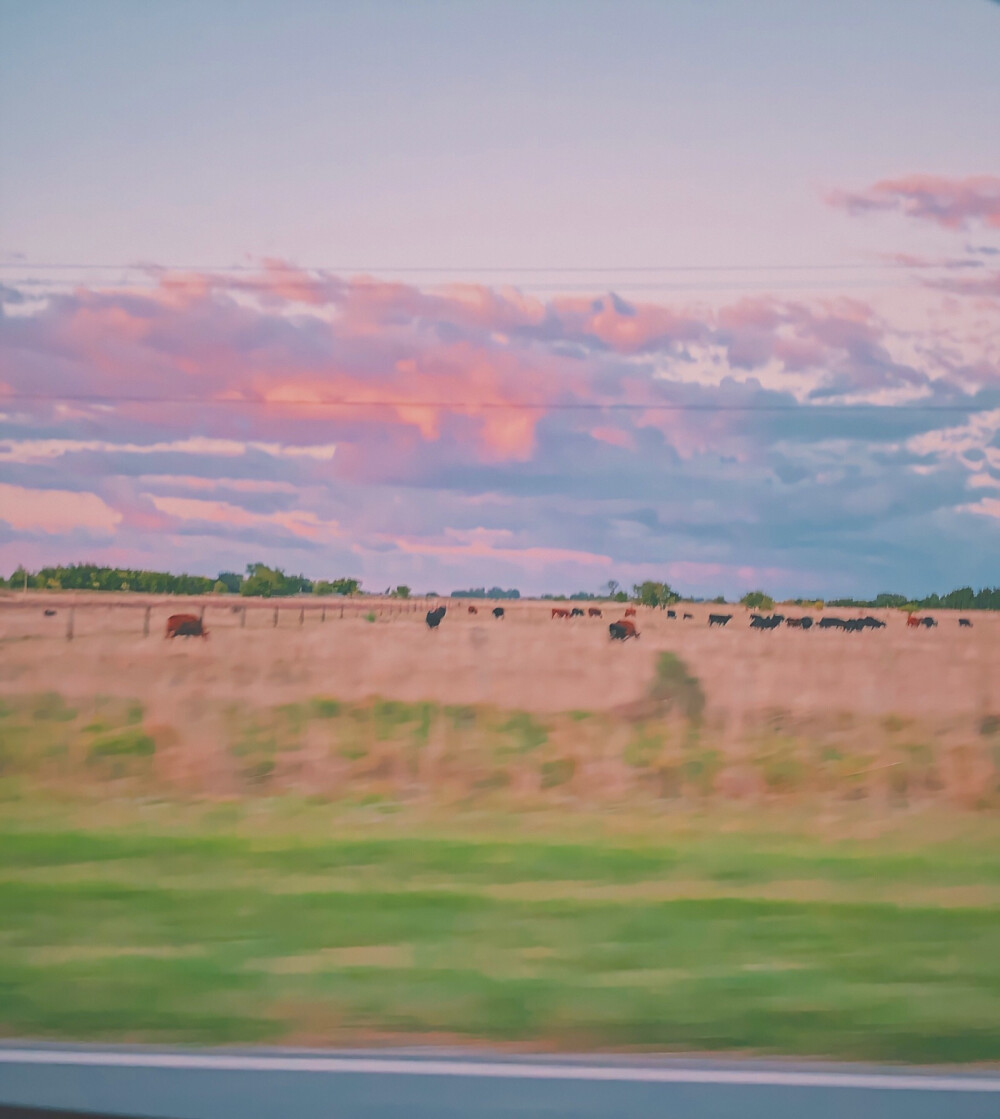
[(434, 617), (498, 612), (912, 621), (832, 623), (630, 612), (964, 622), (473, 610), (687, 617), (671, 613), (869, 622), (576, 612), (799, 623), (50, 613), (719, 619), (772, 622), (593, 612), (622, 630), (927, 623), (557, 612), (185, 625)]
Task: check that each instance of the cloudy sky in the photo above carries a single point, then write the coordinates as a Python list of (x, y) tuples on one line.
[(537, 294)]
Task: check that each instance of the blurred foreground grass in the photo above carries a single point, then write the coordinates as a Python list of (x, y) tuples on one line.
[(287, 920)]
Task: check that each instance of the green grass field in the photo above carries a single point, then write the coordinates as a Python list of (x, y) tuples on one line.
[(284, 920)]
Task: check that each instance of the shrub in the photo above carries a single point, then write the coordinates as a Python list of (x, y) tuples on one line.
[(320, 707), (557, 772), (676, 688), (757, 600), (129, 743), (52, 707)]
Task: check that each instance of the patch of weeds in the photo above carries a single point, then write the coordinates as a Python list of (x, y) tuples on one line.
[(388, 715), (498, 779), (557, 772), (421, 732), (527, 732), (321, 707), (676, 688), (50, 706), (700, 768), (894, 723), (462, 717), (781, 767), (259, 771), (579, 716), (127, 743), (643, 749), (134, 713), (989, 725), (370, 616)]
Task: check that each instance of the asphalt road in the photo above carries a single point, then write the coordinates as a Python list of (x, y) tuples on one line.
[(175, 1084)]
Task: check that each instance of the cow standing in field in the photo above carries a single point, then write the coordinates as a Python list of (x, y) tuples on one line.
[(498, 612), (185, 625), (558, 612), (928, 623), (964, 622), (688, 617), (473, 610), (434, 617), (799, 623), (576, 612), (719, 619), (832, 623), (622, 630), (912, 621), (593, 612), (771, 622), (630, 612), (671, 613)]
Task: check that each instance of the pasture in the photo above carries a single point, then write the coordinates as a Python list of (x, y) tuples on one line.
[(345, 831)]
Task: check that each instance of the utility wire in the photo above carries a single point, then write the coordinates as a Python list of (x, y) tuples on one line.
[(517, 405)]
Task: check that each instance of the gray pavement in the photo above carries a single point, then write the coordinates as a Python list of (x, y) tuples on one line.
[(267, 1084)]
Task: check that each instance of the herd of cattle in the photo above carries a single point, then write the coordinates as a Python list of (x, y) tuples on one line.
[(190, 625)]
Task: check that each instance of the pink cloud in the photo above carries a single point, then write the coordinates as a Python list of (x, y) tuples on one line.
[(949, 203), (55, 510)]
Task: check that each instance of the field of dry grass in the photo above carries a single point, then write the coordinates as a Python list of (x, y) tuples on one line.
[(529, 704)]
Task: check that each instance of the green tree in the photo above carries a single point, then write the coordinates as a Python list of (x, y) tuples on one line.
[(402, 591), (654, 594), (757, 600), (232, 581)]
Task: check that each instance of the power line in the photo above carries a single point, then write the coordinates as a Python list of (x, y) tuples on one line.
[(479, 405), (473, 269)]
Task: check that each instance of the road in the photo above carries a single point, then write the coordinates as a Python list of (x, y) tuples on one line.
[(266, 1084)]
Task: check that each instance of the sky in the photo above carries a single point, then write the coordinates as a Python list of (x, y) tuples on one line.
[(529, 294)]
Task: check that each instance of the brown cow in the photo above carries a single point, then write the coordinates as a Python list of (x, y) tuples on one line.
[(630, 612), (557, 613), (912, 621), (622, 630), (473, 610), (593, 612), (185, 625)]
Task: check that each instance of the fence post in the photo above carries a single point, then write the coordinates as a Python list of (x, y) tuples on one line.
[(201, 614), (322, 616), (69, 624), (243, 618), (275, 616), (145, 622), (302, 614), (341, 609)]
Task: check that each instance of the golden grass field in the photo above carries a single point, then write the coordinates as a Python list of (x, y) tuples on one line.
[(913, 711)]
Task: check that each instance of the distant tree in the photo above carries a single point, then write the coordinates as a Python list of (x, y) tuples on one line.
[(620, 596), (612, 585), (719, 600), (232, 581), (654, 594), (757, 600), (265, 582), (220, 587), (402, 591)]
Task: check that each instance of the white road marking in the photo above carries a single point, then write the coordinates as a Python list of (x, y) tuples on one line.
[(220, 1062)]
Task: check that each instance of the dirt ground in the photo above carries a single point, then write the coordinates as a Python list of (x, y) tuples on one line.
[(527, 661)]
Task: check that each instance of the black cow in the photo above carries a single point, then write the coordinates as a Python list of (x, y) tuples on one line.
[(772, 622), (872, 623), (576, 612), (687, 616), (434, 617), (497, 611), (50, 613), (671, 613), (965, 622), (832, 623), (799, 623), (719, 619), (928, 622), (623, 630)]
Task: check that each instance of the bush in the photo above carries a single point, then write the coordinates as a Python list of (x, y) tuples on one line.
[(676, 688), (129, 743), (757, 600), (557, 772)]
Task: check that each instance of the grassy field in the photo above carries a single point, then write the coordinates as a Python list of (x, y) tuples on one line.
[(284, 920)]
